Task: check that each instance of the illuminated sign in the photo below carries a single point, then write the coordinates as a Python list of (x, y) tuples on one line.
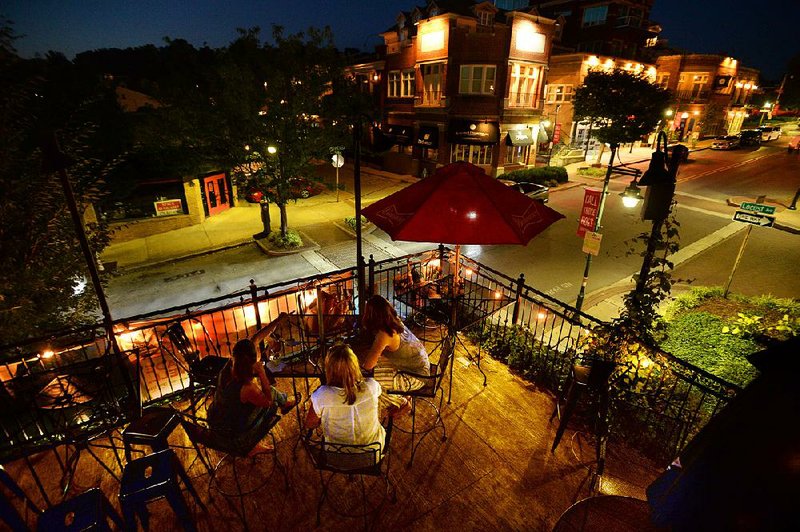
[(528, 39), (431, 41)]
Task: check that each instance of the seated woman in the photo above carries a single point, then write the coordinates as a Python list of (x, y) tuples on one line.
[(347, 406), (394, 349), (245, 400)]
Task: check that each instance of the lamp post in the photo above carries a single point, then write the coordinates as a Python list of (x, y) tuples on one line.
[(764, 111)]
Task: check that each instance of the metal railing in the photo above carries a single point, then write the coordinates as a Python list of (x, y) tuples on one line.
[(660, 401), (527, 100), (691, 95), (430, 99)]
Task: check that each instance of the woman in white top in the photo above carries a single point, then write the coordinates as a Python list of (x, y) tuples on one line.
[(347, 406)]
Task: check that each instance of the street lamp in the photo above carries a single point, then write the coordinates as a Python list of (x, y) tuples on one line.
[(764, 111), (632, 195), (272, 150)]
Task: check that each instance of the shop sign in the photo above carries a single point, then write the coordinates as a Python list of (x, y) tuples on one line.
[(472, 132), (168, 207), (591, 206), (556, 133)]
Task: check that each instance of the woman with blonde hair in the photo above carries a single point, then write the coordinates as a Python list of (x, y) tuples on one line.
[(347, 404), (396, 355)]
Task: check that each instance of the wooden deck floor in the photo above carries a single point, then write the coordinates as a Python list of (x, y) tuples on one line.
[(495, 471)]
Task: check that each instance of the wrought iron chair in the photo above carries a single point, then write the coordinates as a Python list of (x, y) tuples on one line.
[(430, 390), (240, 480), (371, 460), (202, 371)]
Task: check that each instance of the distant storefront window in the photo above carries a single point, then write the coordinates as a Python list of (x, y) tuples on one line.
[(517, 154), (475, 154), (145, 200)]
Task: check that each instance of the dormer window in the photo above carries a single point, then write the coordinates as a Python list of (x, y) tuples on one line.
[(485, 18), (401, 22), (433, 12), (415, 17)]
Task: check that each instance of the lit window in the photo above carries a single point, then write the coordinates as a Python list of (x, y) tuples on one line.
[(477, 79), (401, 84), (471, 153), (559, 93), (595, 16), (524, 88), (517, 154), (485, 18)]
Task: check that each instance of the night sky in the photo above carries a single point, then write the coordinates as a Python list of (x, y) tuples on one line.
[(762, 34)]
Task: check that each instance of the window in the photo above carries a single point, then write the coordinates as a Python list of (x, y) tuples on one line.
[(485, 18), (432, 83), (594, 47), (401, 84), (595, 16), (698, 82), (651, 41), (471, 153), (524, 89), (629, 16), (559, 93), (517, 154), (430, 154), (477, 79), (662, 80)]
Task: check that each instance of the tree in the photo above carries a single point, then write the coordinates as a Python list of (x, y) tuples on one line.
[(620, 107), (790, 99), (42, 272), (294, 119)]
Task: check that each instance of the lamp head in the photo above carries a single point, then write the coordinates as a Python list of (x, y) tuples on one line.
[(632, 195)]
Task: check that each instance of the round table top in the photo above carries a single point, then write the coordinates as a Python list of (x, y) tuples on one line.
[(62, 392), (606, 513)]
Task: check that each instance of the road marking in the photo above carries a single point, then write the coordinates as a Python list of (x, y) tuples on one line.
[(318, 261), (724, 168), (724, 215), (388, 247)]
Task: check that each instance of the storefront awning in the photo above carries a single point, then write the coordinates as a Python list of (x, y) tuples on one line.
[(400, 134), (460, 131), (519, 137), (428, 137)]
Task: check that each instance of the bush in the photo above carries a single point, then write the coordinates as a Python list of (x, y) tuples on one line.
[(591, 171), (697, 338), (292, 240), (351, 222), (542, 175)]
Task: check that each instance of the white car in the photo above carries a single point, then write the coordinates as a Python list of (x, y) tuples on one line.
[(770, 133)]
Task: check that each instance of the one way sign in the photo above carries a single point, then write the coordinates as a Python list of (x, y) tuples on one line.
[(753, 218)]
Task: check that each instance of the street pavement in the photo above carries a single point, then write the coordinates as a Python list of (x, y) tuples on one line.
[(314, 216)]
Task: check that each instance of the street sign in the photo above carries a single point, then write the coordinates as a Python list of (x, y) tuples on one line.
[(589, 211), (337, 160), (757, 207), (755, 219), (591, 243)]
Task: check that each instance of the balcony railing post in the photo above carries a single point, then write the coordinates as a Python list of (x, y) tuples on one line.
[(371, 287), (518, 299), (254, 297)]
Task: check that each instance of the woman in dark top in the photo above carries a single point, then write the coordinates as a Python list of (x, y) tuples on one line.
[(245, 400)]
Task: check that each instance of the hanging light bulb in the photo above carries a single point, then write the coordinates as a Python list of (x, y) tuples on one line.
[(632, 195)]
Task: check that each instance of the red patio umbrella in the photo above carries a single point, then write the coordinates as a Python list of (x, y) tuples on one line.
[(460, 204)]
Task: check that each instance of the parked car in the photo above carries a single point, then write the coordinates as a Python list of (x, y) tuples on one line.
[(770, 133), (725, 142), (669, 152), (532, 190), (299, 187), (794, 144), (750, 137)]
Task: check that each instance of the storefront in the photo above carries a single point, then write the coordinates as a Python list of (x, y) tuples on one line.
[(474, 141), (427, 145), (398, 159), (519, 147), (216, 193)]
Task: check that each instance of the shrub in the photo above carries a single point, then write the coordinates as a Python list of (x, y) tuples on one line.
[(697, 338), (591, 171), (351, 222), (542, 175), (292, 240)]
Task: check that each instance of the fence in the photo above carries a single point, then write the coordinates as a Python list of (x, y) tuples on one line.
[(659, 401)]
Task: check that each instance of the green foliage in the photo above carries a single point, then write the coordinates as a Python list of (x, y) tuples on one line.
[(745, 326), (622, 106), (288, 241), (592, 171), (351, 222), (542, 175), (697, 338)]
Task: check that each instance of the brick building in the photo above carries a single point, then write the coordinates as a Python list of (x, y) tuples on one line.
[(566, 73), (712, 93), (616, 28), (459, 80)]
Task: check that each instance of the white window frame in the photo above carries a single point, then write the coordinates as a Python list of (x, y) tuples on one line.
[(524, 88), (663, 80), (471, 153), (485, 18), (595, 16), (485, 84), (432, 82), (559, 93), (400, 84)]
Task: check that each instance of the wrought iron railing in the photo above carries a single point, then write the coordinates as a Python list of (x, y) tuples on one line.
[(660, 401)]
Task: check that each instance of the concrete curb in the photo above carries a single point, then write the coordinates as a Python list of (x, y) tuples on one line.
[(207, 251), (311, 245)]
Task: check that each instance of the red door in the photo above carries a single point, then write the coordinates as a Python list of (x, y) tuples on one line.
[(217, 194)]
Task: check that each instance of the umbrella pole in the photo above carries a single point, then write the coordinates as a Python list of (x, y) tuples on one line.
[(456, 279)]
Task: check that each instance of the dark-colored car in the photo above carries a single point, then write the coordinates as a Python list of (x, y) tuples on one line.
[(532, 190), (725, 142), (299, 188), (750, 137), (669, 152)]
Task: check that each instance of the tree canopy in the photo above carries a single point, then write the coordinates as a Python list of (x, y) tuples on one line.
[(622, 106)]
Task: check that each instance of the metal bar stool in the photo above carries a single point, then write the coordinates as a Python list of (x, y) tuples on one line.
[(152, 429)]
